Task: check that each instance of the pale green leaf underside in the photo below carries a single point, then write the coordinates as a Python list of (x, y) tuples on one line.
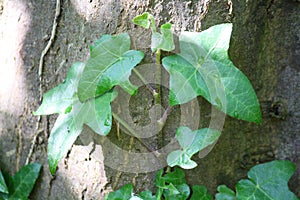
[(267, 181), (3, 186), (24, 180), (96, 113), (191, 142), (110, 64), (58, 99), (204, 68)]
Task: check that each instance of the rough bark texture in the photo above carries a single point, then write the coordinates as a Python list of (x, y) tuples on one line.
[(265, 45)]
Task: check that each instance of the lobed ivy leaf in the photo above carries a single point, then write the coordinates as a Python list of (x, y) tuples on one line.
[(163, 40), (200, 193), (124, 193), (96, 113), (24, 180), (110, 64), (225, 193), (177, 192), (204, 68), (59, 99), (191, 142), (267, 181), (3, 186)]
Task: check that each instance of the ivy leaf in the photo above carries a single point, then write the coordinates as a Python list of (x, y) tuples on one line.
[(191, 142), (145, 20), (60, 98), (200, 193), (96, 113), (177, 192), (163, 41), (110, 64), (147, 195), (176, 177), (267, 181), (24, 180), (203, 68), (124, 193), (225, 193), (3, 187)]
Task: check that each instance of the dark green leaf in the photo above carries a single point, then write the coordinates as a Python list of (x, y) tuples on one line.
[(191, 143), (147, 195), (176, 177), (203, 68), (110, 64), (3, 187), (96, 113), (225, 193), (177, 192), (124, 193), (24, 180), (60, 98), (200, 193), (267, 181), (163, 41)]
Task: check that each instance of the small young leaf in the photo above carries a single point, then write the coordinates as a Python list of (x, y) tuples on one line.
[(267, 181), (225, 193), (110, 64), (203, 68), (191, 143), (124, 193), (60, 98), (24, 180), (200, 193), (3, 187), (163, 41), (143, 20)]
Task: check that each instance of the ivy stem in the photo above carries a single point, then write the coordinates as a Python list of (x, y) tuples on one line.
[(154, 152), (149, 87)]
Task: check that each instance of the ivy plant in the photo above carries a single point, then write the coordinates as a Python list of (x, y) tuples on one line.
[(20, 185), (265, 181), (202, 68)]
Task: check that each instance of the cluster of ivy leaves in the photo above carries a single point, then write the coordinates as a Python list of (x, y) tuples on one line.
[(265, 181), (202, 68)]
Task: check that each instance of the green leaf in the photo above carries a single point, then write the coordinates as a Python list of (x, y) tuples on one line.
[(225, 193), (163, 41), (267, 181), (110, 64), (143, 20), (60, 98), (124, 193), (96, 113), (177, 192), (200, 193), (24, 180), (176, 177), (3, 187), (147, 195), (191, 142), (203, 68)]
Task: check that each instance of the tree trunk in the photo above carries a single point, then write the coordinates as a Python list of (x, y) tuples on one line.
[(265, 45)]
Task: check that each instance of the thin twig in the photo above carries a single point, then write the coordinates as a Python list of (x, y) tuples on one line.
[(40, 74)]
